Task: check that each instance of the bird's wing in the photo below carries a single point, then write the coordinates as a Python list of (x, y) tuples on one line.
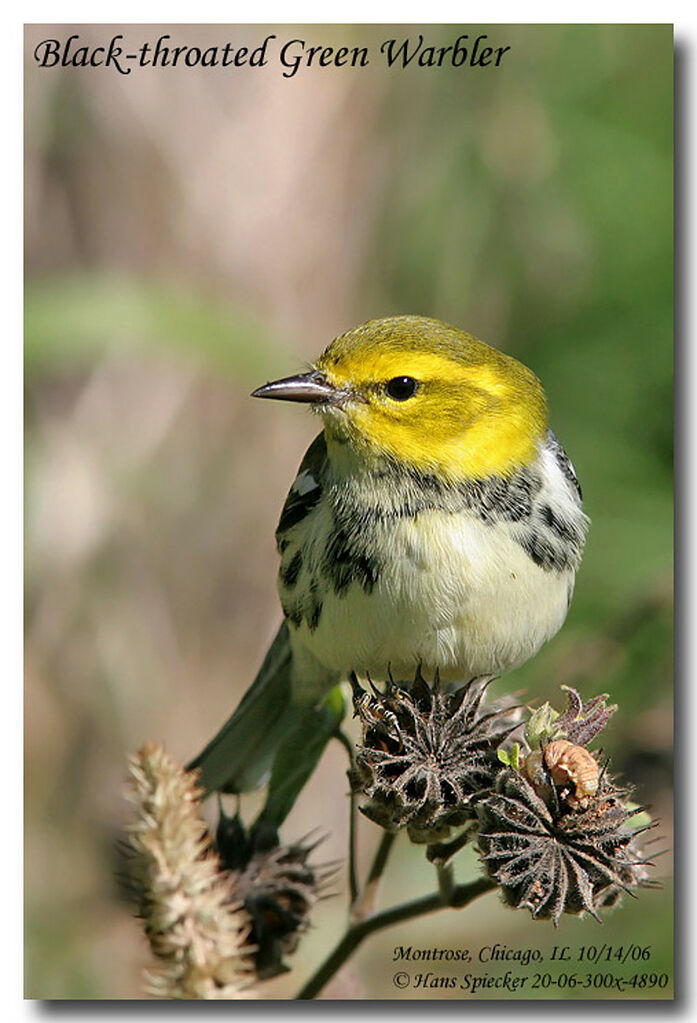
[(239, 757), (306, 491), (270, 738), (564, 463)]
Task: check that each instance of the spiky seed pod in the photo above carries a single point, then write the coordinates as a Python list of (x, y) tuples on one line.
[(582, 722), (192, 912), (277, 886), (424, 755), (551, 860)]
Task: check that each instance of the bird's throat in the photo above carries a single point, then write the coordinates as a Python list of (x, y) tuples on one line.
[(482, 449)]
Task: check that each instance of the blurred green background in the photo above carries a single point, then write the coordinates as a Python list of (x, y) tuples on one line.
[(191, 233)]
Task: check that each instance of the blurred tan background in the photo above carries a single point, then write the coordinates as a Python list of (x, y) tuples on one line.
[(191, 233)]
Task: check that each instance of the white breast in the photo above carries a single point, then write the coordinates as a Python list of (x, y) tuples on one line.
[(454, 592), (460, 595)]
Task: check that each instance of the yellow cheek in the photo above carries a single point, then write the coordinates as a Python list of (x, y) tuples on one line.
[(486, 446), (488, 421)]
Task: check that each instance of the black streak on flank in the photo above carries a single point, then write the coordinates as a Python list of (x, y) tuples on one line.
[(339, 563), (290, 572), (541, 553), (315, 615), (562, 529), (368, 571), (346, 562), (544, 553), (293, 613), (314, 612)]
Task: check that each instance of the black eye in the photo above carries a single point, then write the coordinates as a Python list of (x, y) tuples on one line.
[(401, 388)]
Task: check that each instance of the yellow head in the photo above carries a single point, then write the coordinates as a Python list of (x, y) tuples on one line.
[(426, 394)]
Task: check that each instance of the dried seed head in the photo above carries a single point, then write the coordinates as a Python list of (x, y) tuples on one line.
[(276, 885), (191, 909), (553, 860), (425, 754), (556, 835)]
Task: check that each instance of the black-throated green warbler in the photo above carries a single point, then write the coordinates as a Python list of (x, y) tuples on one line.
[(436, 520)]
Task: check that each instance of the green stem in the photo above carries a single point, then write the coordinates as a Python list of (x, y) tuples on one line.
[(461, 895), (440, 852), (446, 883), (381, 855), (352, 874), (363, 907)]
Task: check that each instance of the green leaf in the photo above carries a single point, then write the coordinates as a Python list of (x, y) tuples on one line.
[(512, 758), (540, 728)]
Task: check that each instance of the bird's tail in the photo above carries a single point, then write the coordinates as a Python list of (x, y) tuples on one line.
[(270, 738), (239, 757)]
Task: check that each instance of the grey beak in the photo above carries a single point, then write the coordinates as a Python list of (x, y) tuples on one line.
[(311, 388)]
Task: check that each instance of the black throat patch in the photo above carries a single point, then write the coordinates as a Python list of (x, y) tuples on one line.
[(364, 508)]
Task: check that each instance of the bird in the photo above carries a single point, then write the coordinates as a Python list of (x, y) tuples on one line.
[(435, 522)]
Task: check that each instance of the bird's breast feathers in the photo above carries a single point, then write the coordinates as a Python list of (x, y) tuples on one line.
[(391, 570)]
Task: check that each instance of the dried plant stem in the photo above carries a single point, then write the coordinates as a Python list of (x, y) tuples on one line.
[(461, 895)]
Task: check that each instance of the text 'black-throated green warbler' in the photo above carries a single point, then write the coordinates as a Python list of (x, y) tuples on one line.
[(435, 520)]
